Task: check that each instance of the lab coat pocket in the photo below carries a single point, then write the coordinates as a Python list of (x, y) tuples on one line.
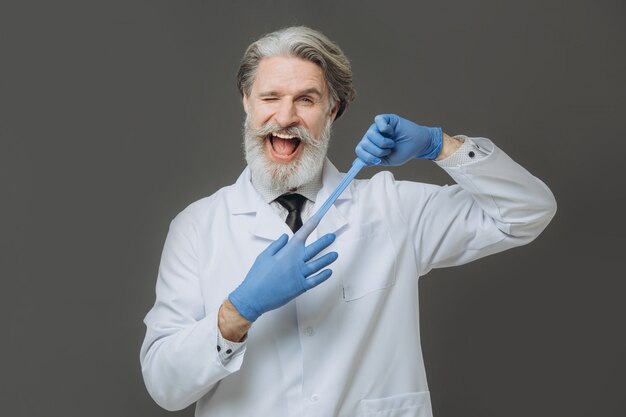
[(413, 404), (367, 261)]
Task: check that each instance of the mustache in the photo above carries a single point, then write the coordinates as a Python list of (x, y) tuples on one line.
[(262, 131)]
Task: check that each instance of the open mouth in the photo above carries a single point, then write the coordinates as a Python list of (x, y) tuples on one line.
[(283, 145)]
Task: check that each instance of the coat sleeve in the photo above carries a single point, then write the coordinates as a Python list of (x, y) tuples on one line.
[(179, 358), (495, 205)]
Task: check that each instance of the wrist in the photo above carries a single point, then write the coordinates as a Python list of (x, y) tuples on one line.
[(241, 306), (232, 325), (436, 142), (449, 146)]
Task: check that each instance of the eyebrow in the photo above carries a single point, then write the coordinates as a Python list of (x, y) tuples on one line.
[(311, 90)]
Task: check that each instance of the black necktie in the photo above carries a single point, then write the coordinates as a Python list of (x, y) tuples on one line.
[(293, 203)]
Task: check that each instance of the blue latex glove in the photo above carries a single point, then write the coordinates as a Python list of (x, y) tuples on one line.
[(392, 140), (283, 271)]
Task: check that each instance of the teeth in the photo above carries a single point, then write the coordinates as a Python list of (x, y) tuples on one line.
[(283, 136)]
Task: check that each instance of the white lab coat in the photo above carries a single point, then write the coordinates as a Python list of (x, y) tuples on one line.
[(351, 346)]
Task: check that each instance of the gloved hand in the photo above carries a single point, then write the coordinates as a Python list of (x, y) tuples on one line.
[(392, 140), (283, 271)]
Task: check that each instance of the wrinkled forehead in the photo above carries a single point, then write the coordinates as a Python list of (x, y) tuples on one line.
[(289, 75)]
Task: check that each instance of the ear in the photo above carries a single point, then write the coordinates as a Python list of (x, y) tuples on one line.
[(334, 110), (245, 103)]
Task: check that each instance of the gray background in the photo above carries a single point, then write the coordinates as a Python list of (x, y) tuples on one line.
[(116, 115)]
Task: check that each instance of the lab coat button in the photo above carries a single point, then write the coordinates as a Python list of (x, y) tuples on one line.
[(314, 398), (309, 331), (472, 154)]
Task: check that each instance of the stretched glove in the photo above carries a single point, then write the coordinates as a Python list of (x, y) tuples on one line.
[(283, 271), (392, 140)]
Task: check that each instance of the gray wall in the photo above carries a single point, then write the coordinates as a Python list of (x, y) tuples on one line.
[(116, 115)]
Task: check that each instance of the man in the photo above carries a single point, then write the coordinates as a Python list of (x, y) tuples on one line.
[(249, 322)]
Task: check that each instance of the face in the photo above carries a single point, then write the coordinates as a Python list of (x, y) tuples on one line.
[(288, 119)]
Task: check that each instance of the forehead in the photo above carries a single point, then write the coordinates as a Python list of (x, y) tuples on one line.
[(288, 75)]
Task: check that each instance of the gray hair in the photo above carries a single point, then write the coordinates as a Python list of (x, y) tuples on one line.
[(305, 43)]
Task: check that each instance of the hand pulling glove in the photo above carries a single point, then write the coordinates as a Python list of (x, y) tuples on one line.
[(392, 140), (283, 271)]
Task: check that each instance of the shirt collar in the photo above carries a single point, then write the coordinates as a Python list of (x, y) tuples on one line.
[(309, 190)]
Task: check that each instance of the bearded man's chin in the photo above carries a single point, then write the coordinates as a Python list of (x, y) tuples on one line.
[(285, 177)]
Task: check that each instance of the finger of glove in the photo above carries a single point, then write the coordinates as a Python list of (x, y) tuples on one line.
[(277, 245), (386, 123), (373, 149), (316, 264), (303, 233), (375, 136), (319, 245), (366, 157), (316, 280)]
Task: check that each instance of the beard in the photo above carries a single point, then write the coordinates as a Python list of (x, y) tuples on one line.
[(284, 176)]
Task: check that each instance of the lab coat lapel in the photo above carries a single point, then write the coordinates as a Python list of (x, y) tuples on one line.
[(244, 200), (334, 221), (268, 225)]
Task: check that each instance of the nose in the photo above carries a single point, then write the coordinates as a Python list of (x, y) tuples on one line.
[(287, 114)]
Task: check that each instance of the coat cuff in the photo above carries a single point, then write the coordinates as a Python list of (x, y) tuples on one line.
[(468, 153)]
